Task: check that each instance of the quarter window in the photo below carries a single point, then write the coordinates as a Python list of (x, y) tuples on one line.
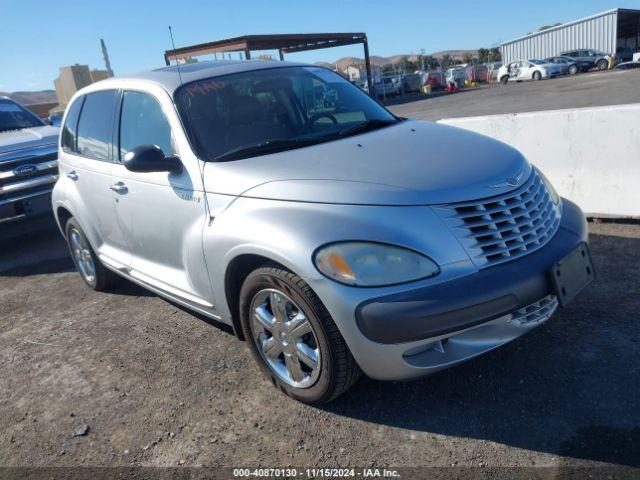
[(95, 124), (70, 126), (142, 122)]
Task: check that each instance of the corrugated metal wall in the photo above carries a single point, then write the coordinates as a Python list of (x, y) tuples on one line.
[(597, 32)]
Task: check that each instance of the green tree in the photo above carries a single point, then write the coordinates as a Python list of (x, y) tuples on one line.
[(430, 62), (483, 55), (409, 66), (447, 60), (466, 58), (494, 55)]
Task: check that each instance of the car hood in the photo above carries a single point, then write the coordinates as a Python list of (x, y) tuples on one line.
[(28, 138), (411, 163)]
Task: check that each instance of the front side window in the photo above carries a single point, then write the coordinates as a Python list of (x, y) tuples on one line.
[(262, 111), (95, 124), (15, 117), (68, 140), (142, 122)]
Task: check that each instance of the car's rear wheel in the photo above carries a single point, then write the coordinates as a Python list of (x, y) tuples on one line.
[(602, 64), (94, 274), (537, 75), (293, 337), (504, 80), (573, 69)]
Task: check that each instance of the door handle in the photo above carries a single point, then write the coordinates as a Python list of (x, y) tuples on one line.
[(72, 175), (119, 187)]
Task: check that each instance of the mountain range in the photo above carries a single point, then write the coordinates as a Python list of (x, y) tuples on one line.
[(378, 61), (30, 98)]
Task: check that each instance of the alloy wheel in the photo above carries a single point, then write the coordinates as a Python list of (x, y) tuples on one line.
[(285, 338), (82, 256)]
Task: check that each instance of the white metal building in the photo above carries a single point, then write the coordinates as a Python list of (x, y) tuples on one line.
[(607, 31)]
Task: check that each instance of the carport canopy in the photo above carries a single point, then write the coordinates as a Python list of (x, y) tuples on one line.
[(284, 43)]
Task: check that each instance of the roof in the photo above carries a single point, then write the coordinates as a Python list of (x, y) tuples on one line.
[(172, 77), (285, 42), (573, 22)]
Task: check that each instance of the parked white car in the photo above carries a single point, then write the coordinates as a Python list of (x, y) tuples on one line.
[(528, 70)]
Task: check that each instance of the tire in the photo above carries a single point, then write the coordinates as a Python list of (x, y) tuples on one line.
[(573, 69), (98, 277), (536, 75), (602, 64), (336, 369), (504, 80)]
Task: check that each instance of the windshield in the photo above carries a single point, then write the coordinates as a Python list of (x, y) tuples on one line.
[(263, 111), (537, 62), (15, 117)]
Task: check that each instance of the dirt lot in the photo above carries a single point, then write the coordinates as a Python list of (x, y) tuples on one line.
[(158, 386), (582, 90)]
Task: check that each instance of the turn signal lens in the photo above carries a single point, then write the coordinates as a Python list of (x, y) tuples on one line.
[(368, 264), (555, 198)]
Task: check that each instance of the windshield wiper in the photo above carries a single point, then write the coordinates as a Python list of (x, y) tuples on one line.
[(263, 148), (365, 126)]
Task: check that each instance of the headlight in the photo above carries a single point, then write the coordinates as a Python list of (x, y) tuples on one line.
[(555, 198), (368, 264)]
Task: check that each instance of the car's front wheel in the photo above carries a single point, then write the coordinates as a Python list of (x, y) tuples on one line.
[(573, 70), (602, 64), (537, 75), (94, 274), (504, 79), (293, 337)]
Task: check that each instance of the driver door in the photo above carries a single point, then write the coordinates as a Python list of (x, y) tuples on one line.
[(524, 70)]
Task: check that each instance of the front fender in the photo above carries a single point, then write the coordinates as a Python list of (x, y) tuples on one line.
[(289, 232)]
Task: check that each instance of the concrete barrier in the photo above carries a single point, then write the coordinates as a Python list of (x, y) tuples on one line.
[(591, 155)]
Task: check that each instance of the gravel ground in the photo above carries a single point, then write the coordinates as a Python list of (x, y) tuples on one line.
[(583, 90), (143, 382)]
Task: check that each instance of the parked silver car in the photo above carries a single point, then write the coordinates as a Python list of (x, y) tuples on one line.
[(335, 237)]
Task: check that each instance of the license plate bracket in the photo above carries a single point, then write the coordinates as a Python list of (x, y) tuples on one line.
[(572, 274)]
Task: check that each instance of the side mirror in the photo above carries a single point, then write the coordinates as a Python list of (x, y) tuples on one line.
[(150, 158)]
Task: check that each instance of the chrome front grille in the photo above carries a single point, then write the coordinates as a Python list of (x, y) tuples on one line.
[(37, 179), (536, 312), (501, 228)]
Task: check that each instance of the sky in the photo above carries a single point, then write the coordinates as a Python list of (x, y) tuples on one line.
[(37, 37)]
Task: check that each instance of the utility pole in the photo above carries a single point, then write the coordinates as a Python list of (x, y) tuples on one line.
[(105, 55), (422, 59)]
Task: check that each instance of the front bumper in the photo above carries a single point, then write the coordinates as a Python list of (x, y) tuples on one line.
[(30, 204), (420, 331)]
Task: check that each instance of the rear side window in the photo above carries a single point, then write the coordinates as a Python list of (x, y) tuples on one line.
[(70, 126), (142, 122), (95, 124)]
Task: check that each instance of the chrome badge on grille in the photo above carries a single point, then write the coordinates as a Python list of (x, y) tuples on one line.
[(25, 169), (510, 182)]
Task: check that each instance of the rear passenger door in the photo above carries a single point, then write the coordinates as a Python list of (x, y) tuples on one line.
[(164, 213), (86, 161)]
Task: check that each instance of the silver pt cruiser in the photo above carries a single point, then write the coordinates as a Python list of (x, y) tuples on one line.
[(333, 236)]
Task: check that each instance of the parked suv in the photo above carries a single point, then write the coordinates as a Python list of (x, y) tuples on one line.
[(334, 239), (28, 165), (597, 59)]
